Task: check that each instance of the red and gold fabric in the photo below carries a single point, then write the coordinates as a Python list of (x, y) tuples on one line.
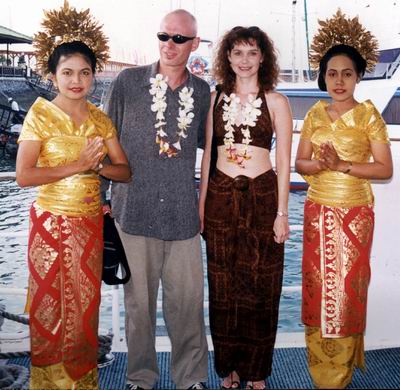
[(65, 264), (338, 232), (336, 270), (65, 252)]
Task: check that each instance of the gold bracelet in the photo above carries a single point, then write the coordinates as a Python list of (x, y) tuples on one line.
[(99, 168), (349, 167)]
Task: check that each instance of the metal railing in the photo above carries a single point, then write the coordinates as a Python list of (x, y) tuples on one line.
[(8, 117), (12, 71), (393, 67), (45, 84), (383, 70), (114, 294), (118, 340), (5, 115)]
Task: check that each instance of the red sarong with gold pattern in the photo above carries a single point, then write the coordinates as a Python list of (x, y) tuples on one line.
[(336, 270), (65, 263)]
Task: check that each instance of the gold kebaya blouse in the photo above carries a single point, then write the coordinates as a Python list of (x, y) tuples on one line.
[(351, 135), (61, 144)]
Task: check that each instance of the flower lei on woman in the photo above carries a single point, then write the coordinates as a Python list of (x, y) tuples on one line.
[(158, 90), (251, 112)]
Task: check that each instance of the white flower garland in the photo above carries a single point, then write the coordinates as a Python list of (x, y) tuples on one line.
[(251, 112), (158, 90)]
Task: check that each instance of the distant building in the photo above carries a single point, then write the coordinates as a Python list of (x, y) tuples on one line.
[(112, 68)]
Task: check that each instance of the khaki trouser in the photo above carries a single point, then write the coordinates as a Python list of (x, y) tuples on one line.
[(179, 266)]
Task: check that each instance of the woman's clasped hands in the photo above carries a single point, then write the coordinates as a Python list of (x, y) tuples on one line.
[(329, 159), (91, 154)]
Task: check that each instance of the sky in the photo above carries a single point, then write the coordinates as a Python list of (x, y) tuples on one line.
[(131, 25)]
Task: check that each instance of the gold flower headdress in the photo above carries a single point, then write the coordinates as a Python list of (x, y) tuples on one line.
[(341, 30), (68, 25)]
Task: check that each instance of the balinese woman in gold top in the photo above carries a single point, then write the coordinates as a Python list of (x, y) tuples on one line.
[(344, 144), (61, 147)]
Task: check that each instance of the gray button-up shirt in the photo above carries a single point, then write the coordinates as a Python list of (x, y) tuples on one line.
[(161, 200)]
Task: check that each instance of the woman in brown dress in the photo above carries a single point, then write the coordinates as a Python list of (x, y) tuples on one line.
[(244, 206)]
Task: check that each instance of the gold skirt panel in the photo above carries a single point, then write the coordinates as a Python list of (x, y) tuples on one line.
[(331, 362)]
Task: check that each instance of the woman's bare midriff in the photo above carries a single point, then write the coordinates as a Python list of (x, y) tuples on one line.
[(259, 162)]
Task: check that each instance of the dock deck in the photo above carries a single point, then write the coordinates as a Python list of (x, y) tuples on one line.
[(289, 371)]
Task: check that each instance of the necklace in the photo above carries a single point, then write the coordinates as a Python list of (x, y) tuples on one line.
[(158, 89), (250, 113)]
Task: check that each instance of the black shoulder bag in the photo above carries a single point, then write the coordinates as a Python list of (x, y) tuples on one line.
[(113, 254)]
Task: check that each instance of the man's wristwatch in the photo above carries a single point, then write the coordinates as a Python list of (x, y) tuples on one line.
[(282, 214)]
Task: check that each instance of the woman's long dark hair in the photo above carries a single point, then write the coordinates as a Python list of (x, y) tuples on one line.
[(268, 72)]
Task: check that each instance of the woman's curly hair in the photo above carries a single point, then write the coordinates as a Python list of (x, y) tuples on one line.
[(267, 73)]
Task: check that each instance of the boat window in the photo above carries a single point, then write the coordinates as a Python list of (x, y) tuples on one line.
[(391, 114), (301, 104)]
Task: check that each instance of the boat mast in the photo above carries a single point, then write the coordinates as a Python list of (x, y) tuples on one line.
[(293, 39), (307, 39), (219, 17)]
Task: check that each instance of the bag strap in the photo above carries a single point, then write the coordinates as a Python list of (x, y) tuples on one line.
[(214, 146)]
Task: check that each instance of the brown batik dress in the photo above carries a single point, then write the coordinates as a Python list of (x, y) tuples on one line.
[(245, 265)]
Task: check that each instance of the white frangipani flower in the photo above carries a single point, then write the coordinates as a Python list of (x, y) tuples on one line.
[(159, 82)]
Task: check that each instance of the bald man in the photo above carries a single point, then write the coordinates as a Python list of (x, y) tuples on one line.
[(160, 113)]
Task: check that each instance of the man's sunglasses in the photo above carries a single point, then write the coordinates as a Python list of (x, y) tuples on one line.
[(178, 39)]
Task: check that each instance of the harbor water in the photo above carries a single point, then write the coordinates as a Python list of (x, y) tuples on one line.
[(14, 206)]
